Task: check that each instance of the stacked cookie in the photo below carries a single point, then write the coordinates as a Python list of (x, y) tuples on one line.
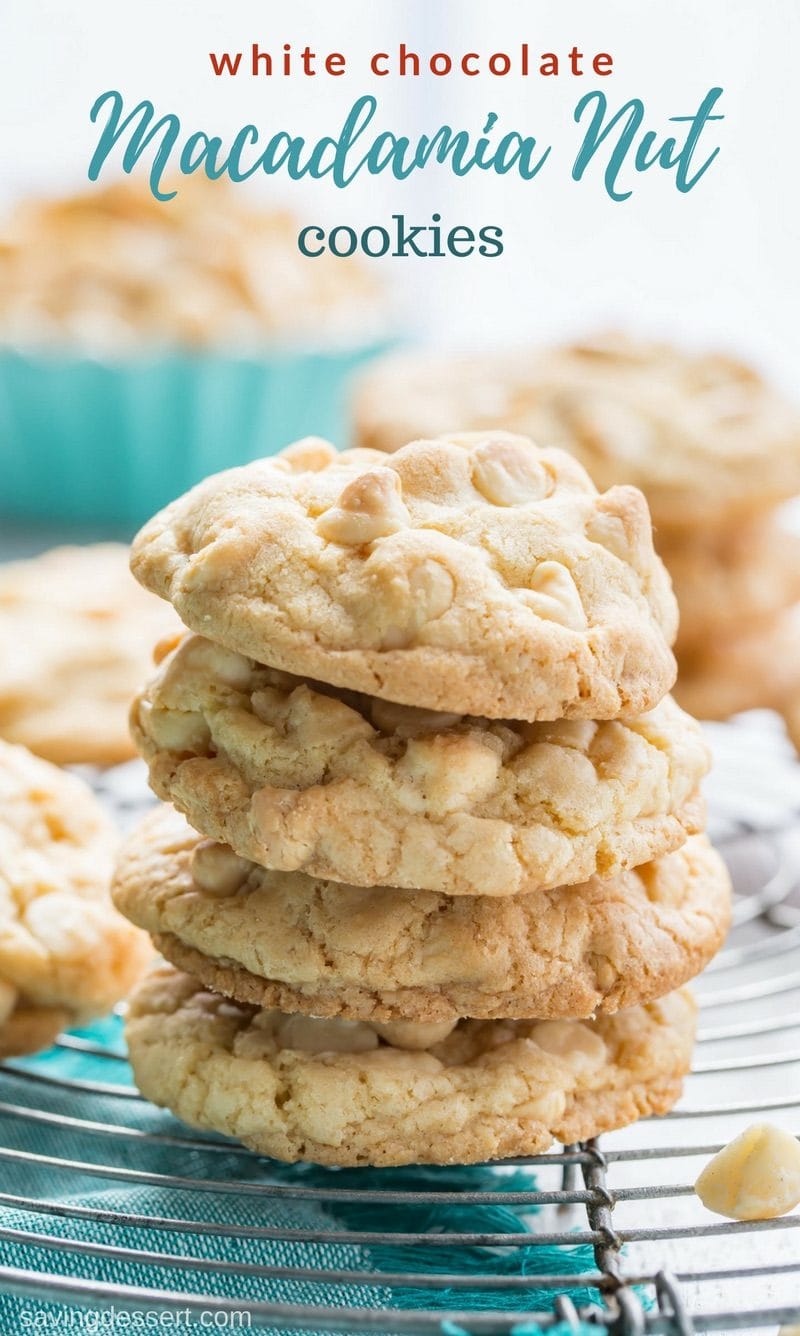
[(715, 450), (443, 872)]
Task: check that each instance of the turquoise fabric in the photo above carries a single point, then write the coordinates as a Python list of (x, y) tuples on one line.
[(227, 1274)]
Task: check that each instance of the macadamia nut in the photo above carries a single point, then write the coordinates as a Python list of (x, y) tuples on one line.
[(755, 1177)]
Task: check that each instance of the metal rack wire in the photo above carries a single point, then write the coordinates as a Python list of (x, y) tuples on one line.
[(660, 1263)]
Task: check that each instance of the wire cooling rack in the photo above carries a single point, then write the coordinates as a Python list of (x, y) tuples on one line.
[(656, 1262)]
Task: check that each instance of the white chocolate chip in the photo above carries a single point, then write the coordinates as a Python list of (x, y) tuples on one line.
[(507, 473), (310, 455), (217, 869), (428, 595), (8, 1000), (432, 588), (446, 773), (575, 1044), (205, 659), (408, 721), (370, 507), (609, 531), (414, 1034), (313, 1034), (554, 596), (621, 524), (755, 1177), (175, 730)]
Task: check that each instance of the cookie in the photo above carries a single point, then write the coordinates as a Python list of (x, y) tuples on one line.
[(77, 634), (65, 953), (299, 776), (476, 574), (281, 939), (758, 667), (112, 269), (790, 710), (702, 435), (337, 1093), (729, 578), (29, 1029)]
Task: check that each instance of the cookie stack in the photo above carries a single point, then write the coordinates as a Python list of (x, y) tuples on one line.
[(443, 870), (714, 448)]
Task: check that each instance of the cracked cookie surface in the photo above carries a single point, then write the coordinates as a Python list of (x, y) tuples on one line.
[(299, 776), (65, 952), (77, 634), (302, 944), (476, 573), (488, 1090), (703, 435)]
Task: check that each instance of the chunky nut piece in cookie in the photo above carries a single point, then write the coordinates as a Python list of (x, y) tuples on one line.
[(76, 632), (755, 1177), (280, 939), (704, 436), (487, 1091), (310, 455), (414, 1034), (65, 954), (370, 507), (507, 473), (578, 1045), (416, 593), (301, 776), (457, 575), (218, 870), (554, 595), (311, 1034)]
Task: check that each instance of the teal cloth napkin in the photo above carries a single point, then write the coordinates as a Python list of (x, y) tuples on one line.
[(193, 1259)]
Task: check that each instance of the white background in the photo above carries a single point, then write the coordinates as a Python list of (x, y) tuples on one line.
[(717, 265)]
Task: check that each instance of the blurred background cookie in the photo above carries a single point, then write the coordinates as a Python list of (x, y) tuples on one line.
[(76, 632), (731, 579), (65, 953), (144, 344), (714, 447), (723, 676), (703, 435)]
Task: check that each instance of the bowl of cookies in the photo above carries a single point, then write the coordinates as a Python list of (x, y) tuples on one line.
[(144, 344)]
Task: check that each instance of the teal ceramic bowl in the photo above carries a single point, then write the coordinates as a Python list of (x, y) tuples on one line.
[(84, 440)]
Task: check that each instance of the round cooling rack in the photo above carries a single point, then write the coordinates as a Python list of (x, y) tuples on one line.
[(111, 1207)]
